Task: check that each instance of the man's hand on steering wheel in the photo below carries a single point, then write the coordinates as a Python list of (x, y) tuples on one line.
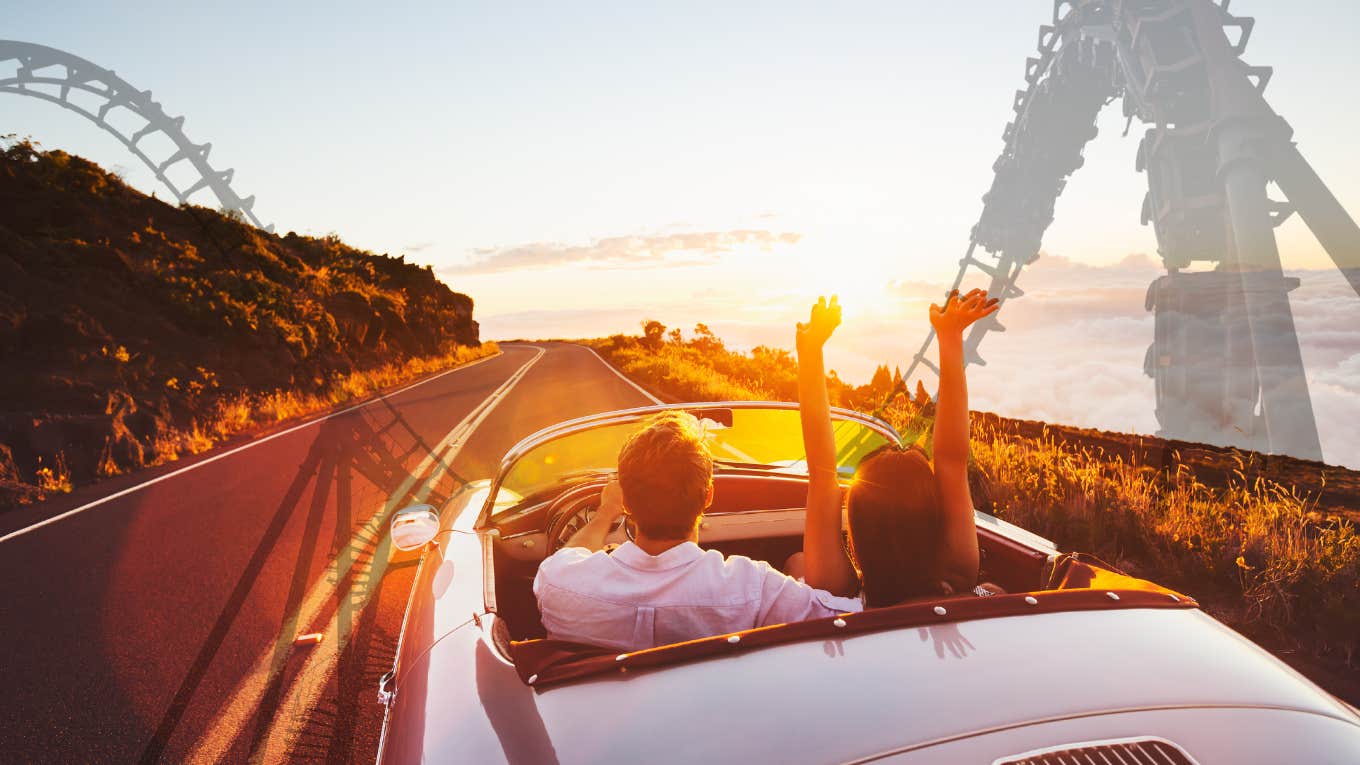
[(592, 535), (611, 501)]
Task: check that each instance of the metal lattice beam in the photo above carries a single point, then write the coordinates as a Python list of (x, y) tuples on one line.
[(1225, 360), (1067, 84), (53, 76)]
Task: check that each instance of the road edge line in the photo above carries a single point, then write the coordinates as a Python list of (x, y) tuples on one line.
[(208, 460), (621, 375), (317, 669), (231, 711)]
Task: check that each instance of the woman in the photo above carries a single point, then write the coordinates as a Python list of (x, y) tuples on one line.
[(910, 522)]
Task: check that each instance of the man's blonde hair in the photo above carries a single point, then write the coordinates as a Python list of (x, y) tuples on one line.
[(665, 472)]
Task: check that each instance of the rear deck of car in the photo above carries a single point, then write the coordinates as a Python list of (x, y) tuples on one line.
[(890, 693)]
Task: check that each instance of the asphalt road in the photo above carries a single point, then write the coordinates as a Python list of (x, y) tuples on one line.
[(159, 625)]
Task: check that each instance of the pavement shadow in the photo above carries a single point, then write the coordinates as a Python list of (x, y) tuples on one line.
[(375, 446)]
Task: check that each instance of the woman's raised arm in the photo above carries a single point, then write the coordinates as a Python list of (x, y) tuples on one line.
[(960, 553), (827, 566)]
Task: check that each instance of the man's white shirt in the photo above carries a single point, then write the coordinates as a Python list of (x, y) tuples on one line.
[(630, 600)]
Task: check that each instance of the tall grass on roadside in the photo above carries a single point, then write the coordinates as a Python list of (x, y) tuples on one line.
[(680, 373), (1257, 552), (55, 478), (243, 412), (703, 369)]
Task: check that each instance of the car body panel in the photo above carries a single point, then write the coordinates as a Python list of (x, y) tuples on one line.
[(864, 696), (1237, 735), (449, 587), (949, 691)]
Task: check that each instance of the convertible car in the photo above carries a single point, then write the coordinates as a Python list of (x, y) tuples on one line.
[(1077, 664)]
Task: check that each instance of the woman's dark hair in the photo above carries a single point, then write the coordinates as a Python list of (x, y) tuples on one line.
[(895, 526)]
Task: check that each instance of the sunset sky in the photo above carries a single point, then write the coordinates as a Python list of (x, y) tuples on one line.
[(579, 167)]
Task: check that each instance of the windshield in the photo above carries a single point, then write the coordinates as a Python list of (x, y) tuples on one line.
[(767, 437)]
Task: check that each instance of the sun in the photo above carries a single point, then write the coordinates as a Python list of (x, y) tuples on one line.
[(859, 272), (859, 294)]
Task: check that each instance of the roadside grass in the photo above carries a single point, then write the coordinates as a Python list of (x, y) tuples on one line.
[(245, 412), (681, 373), (703, 369), (55, 478), (1256, 553)]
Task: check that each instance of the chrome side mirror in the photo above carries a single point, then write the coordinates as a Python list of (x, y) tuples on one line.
[(414, 526)]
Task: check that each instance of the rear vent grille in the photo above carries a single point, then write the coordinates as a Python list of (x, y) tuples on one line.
[(1128, 751)]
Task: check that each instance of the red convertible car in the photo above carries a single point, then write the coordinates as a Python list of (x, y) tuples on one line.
[(1078, 664)]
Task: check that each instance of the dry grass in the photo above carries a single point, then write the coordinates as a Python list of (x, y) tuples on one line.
[(246, 412), (702, 369), (1256, 553), (679, 372), (54, 478)]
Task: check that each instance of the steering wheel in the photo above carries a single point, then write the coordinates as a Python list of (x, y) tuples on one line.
[(572, 509)]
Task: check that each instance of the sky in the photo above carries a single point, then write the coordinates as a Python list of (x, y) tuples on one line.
[(578, 167)]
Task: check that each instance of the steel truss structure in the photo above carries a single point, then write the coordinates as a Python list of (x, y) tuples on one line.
[(56, 76), (1225, 358)]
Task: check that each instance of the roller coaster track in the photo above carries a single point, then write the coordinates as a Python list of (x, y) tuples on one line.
[(1067, 84), (56, 76), (1212, 146)]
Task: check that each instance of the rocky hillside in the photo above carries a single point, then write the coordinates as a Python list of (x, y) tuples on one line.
[(124, 319)]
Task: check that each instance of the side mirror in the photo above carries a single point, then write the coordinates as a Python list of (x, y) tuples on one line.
[(414, 526)]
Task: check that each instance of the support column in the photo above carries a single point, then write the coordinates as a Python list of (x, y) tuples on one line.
[(1244, 128), (1326, 218), (1285, 401)]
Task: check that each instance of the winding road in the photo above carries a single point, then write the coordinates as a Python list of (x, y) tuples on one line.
[(153, 617)]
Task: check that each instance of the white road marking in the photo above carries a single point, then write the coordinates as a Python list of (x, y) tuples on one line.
[(611, 368), (223, 455), (311, 680), (739, 454)]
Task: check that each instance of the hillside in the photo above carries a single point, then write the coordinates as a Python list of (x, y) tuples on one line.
[(1268, 544), (132, 331)]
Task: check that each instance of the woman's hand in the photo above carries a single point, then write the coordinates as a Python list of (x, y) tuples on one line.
[(823, 321), (959, 312)]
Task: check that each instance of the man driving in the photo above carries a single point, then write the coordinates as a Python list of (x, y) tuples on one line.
[(663, 588)]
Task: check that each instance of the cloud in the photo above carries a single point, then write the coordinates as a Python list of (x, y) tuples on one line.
[(418, 247), (652, 251), (1073, 352), (914, 289)]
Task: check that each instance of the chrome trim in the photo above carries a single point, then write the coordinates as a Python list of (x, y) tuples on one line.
[(488, 570), (760, 511), (386, 693), (1110, 742), (751, 524), (1014, 533), (638, 414), (487, 624)]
